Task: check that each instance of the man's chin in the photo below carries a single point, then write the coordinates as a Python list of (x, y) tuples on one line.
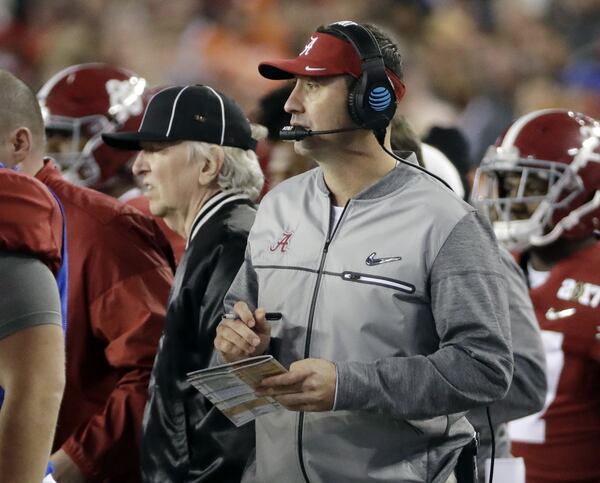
[(157, 209), (308, 146)]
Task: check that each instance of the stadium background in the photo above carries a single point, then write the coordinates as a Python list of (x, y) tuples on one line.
[(472, 64)]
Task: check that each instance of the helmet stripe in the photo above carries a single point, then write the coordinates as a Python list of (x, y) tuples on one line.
[(512, 133)]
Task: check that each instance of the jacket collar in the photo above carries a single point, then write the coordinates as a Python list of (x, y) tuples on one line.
[(391, 182), (211, 207), (48, 172)]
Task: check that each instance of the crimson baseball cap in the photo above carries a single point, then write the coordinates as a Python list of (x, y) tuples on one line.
[(188, 113), (323, 55)]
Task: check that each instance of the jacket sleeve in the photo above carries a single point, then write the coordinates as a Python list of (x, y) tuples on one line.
[(244, 286), (527, 391), (129, 316), (30, 219), (473, 364), (225, 271)]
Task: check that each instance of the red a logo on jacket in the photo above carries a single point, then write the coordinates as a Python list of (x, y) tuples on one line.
[(283, 242)]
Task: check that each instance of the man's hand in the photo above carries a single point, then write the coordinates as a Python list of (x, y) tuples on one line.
[(247, 336), (65, 469), (308, 386)]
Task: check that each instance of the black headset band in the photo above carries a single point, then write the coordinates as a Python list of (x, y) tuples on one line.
[(360, 38)]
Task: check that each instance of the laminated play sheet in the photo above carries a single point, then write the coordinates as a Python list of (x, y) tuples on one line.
[(230, 387)]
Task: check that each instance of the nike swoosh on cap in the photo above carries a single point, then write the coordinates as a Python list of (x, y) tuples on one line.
[(308, 68)]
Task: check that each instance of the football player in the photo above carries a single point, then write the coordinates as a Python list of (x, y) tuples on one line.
[(31, 337), (79, 104), (120, 274), (540, 185)]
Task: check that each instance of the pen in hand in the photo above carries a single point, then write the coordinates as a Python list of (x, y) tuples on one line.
[(271, 316)]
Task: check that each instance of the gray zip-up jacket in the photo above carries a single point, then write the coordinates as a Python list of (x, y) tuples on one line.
[(406, 297)]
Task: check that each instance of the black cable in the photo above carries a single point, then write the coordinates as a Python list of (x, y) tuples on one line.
[(391, 153), (489, 418)]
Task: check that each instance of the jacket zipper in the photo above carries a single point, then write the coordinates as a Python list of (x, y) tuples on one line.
[(381, 281), (311, 314)]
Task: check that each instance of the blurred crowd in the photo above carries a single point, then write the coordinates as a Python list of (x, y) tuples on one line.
[(471, 68), (472, 64)]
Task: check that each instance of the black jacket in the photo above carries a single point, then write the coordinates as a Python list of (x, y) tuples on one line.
[(186, 439)]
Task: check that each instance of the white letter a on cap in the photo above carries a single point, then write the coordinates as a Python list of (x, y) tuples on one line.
[(308, 46)]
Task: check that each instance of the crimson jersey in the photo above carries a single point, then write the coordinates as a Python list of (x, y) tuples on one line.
[(119, 281), (562, 443), (30, 219)]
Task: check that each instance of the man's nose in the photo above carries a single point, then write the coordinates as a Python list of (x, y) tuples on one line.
[(294, 103), (140, 165)]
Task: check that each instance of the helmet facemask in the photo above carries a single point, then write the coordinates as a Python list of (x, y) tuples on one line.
[(520, 195), (71, 142), (79, 104)]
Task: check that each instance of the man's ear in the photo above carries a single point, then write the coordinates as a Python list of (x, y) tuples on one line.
[(212, 166), (21, 144)]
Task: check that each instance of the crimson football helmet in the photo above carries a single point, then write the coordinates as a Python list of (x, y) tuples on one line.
[(541, 180), (80, 103)]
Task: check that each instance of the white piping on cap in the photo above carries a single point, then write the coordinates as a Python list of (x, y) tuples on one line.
[(149, 102), (222, 114), (173, 111)]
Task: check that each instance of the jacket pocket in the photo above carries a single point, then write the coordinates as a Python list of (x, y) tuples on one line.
[(381, 281)]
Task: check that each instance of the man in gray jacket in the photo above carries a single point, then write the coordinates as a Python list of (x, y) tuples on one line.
[(395, 318)]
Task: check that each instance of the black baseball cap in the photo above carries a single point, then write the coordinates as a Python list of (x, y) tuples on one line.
[(188, 113)]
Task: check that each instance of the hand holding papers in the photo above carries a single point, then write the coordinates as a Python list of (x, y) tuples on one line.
[(230, 387)]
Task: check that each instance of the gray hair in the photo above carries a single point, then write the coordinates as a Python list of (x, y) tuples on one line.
[(241, 170)]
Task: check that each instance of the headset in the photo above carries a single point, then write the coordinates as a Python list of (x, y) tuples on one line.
[(371, 97)]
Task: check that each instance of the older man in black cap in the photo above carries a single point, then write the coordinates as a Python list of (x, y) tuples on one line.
[(200, 174)]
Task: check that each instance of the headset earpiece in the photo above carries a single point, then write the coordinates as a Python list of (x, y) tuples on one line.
[(371, 97), (354, 90)]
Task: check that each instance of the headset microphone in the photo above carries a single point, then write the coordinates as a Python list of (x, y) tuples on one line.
[(298, 133)]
